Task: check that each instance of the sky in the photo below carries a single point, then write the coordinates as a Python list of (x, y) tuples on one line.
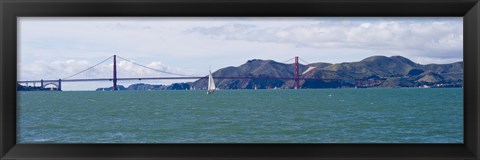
[(54, 48)]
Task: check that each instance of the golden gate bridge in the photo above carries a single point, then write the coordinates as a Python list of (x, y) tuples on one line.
[(114, 78)]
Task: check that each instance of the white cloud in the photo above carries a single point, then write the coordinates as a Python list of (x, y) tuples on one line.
[(443, 39), (67, 68), (429, 60), (50, 69)]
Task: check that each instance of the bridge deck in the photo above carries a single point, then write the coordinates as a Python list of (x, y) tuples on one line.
[(167, 78)]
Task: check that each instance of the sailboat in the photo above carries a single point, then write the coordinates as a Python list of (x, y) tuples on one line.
[(211, 84)]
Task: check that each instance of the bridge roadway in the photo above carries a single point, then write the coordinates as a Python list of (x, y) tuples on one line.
[(167, 78)]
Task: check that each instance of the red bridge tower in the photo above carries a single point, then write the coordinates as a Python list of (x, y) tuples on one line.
[(297, 84)]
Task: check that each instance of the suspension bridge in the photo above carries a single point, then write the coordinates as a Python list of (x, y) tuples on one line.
[(98, 71)]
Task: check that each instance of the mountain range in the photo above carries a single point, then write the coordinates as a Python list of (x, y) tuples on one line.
[(375, 71)]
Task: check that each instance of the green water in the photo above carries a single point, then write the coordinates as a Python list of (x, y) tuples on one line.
[(243, 116)]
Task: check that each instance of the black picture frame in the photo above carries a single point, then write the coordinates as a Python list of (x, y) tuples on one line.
[(11, 9)]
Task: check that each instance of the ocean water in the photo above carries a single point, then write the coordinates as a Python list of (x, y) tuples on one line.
[(404, 115)]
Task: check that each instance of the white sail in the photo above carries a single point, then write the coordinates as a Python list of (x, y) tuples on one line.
[(211, 84)]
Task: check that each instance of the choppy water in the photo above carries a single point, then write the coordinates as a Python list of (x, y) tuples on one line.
[(243, 116)]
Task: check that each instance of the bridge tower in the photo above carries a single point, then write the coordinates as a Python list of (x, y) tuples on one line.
[(297, 84), (59, 84), (115, 72)]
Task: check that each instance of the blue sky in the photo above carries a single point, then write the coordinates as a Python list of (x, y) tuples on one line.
[(52, 48)]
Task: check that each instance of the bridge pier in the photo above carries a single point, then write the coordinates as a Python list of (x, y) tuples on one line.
[(41, 83)]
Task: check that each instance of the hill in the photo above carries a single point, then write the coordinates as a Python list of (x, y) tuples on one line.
[(375, 71)]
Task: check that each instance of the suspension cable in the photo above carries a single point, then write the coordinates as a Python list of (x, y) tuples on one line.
[(304, 61), (155, 69), (88, 68), (288, 60)]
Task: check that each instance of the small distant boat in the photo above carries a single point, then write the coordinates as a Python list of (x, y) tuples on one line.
[(424, 86), (211, 84)]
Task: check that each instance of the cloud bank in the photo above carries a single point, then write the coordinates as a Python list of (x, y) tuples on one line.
[(422, 40), (68, 69)]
